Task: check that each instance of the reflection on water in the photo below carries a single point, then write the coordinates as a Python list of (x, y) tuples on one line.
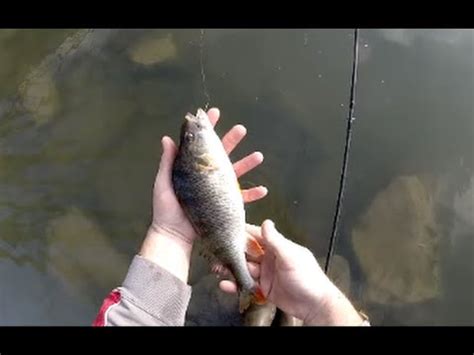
[(415, 121), (153, 49), (400, 224), (82, 113), (81, 255)]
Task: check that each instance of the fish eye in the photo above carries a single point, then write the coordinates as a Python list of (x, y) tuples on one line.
[(189, 136)]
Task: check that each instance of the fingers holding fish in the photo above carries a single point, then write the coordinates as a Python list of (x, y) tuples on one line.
[(232, 138), (214, 115), (254, 231), (222, 271), (255, 193), (274, 239), (251, 161), (166, 163), (169, 152), (242, 167), (228, 286), (254, 234), (254, 269)]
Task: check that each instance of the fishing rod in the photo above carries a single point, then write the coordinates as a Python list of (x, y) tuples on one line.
[(343, 176)]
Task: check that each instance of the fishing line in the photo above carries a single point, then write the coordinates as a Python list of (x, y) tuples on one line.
[(343, 176), (203, 74)]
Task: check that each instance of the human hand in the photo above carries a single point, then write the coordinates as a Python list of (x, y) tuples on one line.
[(170, 225), (291, 278)]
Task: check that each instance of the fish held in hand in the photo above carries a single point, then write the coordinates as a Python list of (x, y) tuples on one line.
[(207, 188)]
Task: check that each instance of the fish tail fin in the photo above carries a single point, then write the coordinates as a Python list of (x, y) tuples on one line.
[(246, 298)]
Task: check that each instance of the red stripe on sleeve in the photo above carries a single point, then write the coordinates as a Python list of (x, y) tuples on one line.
[(112, 299)]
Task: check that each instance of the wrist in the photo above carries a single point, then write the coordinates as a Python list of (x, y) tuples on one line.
[(333, 309), (167, 250)]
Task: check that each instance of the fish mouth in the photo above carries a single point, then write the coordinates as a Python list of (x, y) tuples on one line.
[(200, 115), (190, 117)]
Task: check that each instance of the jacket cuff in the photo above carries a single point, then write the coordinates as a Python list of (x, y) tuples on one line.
[(157, 291)]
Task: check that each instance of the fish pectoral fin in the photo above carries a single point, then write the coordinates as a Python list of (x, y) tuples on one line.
[(254, 248), (206, 163)]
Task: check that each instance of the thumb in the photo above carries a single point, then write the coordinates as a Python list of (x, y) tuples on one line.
[(163, 178), (274, 239)]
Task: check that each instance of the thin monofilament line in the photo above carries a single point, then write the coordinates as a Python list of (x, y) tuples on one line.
[(203, 73), (343, 176)]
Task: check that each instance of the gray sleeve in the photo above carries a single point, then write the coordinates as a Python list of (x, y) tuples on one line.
[(149, 296)]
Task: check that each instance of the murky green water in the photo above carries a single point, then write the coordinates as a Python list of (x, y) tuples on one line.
[(82, 114)]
